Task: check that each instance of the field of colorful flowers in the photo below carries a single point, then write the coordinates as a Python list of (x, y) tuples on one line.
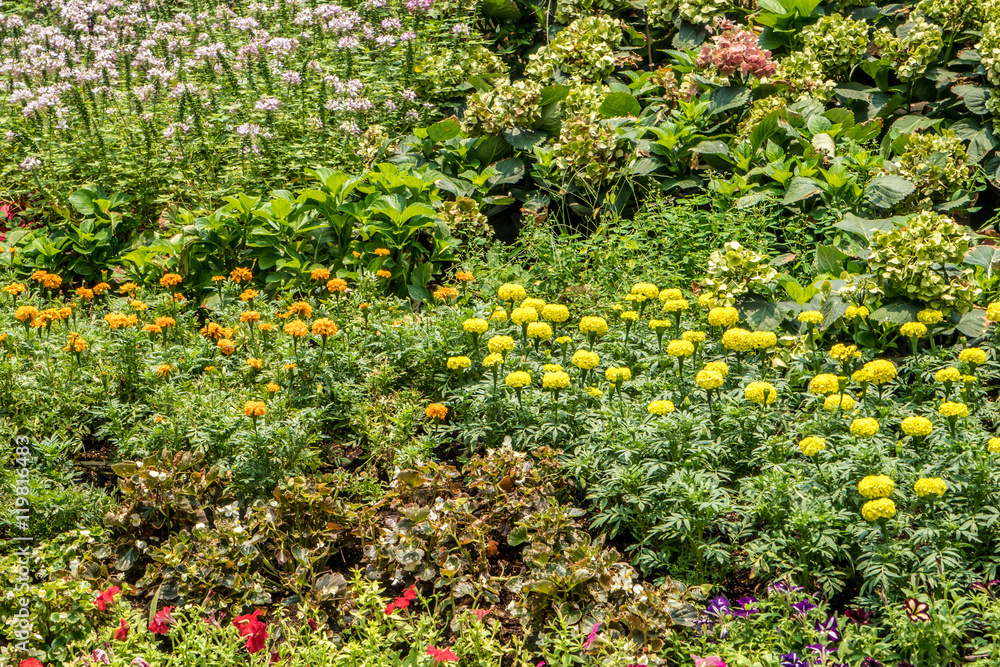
[(397, 333)]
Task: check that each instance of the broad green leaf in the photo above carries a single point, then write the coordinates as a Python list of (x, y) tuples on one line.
[(986, 256), (799, 189), (711, 148), (442, 131), (829, 260), (619, 105), (973, 324), (898, 312), (888, 190), (730, 97), (865, 227)]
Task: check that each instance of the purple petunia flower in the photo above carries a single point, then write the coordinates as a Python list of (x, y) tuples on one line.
[(803, 607), (743, 608), (793, 660), (718, 606), (828, 627), (783, 586), (822, 652), (871, 662)]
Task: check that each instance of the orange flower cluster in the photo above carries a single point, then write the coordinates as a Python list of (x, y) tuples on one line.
[(120, 320), (324, 327)]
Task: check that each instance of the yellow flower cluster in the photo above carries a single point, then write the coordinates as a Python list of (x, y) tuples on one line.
[(761, 340), (593, 324), (617, 374), (880, 371), (585, 360), (948, 375), (518, 379), (993, 446), (952, 409), (930, 486), (864, 427), (812, 445), (737, 340), (723, 316), (694, 336), (630, 316), (844, 402), (762, 393), (511, 292), (524, 315), (973, 356), (659, 326), (555, 380), (915, 426), (646, 291), (844, 353), (993, 312), (476, 325), (493, 359), (913, 330), (498, 315), (537, 304), (719, 367), (856, 312), (539, 330), (824, 384), (680, 348), (500, 344), (660, 408), (929, 316), (813, 317), (670, 294), (876, 486), (675, 305), (555, 312), (459, 363), (883, 508), (708, 379)]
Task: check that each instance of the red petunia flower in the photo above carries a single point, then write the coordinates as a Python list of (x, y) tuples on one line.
[(106, 597), (121, 634), (160, 625), (441, 654), (402, 602), (244, 623), (256, 637), (313, 625), (480, 613), (30, 662)]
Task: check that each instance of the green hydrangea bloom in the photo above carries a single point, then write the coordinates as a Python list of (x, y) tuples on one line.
[(915, 46), (836, 43), (936, 164), (584, 50), (508, 105)]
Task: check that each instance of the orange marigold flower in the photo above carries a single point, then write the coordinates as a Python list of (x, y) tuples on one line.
[(15, 288), (445, 293), (255, 363), (249, 294), (337, 285), (319, 274), (436, 411), (138, 305), (289, 367), (152, 328), (271, 387), (52, 281), (218, 279), (382, 273), (249, 316), (165, 322), (240, 275), (101, 288), (119, 320), (209, 369), (226, 346), (265, 326), (85, 293), (25, 313), (76, 343), (464, 276), (382, 252), (163, 370), (254, 409), (178, 297), (215, 331), (297, 329), (301, 308), (128, 288), (324, 327), (357, 255), (39, 275), (170, 279)]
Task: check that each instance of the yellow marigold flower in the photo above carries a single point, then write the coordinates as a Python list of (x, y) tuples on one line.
[(929, 486), (138, 305), (993, 312), (273, 388), (876, 486), (27, 313), (240, 275), (209, 369), (693, 336), (445, 293), (593, 324), (842, 353), (953, 409), (255, 363), (630, 316), (969, 379), (812, 445), (708, 300), (563, 340), (521, 316), (178, 297), (948, 375), (492, 359), (382, 252), (170, 279), (555, 312), (842, 402), (646, 290), (518, 379), (539, 330), (594, 392), (883, 508), (551, 368), (880, 371), (249, 316), (297, 329), (861, 375), (973, 356), (659, 326), (290, 367), (811, 317), (301, 308), (218, 279), (459, 363), (382, 273), (436, 411), (858, 312), (152, 328), (555, 380), (719, 367), (165, 322), (254, 409), (824, 384), (499, 315), (336, 285), (501, 344), (537, 304), (723, 316), (930, 316), (357, 255), (226, 346), (75, 343), (265, 327), (708, 379), (18, 288), (762, 340), (51, 281), (586, 360), (320, 274), (616, 374), (680, 348), (660, 408), (917, 426), (993, 446), (476, 325), (762, 393), (249, 294), (463, 276), (101, 288), (163, 370), (511, 292), (737, 340), (675, 305), (324, 327), (670, 294), (913, 330), (864, 427)]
